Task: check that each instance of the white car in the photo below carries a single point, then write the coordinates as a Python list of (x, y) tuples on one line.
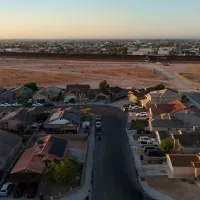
[(98, 125), (37, 104), (144, 139), (5, 105), (98, 118), (141, 114), (16, 105), (5, 189)]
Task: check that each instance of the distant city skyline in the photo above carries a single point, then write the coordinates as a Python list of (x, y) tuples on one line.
[(95, 19)]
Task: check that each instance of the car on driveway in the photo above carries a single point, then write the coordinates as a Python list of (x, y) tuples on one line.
[(141, 114), (144, 139), (6, 189), (134, 107), (31, 191), (155, 153), (19, 190), (37, 104), (98, 125)]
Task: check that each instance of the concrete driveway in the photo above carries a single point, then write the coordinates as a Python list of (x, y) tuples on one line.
[(156, 169)]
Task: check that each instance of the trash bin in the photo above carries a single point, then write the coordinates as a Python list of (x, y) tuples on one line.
[(141, 157)]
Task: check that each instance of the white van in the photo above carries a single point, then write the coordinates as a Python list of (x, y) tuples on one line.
[(144, 139)]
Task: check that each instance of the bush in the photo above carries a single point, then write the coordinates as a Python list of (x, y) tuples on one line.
[(167, 145), (159, 87)]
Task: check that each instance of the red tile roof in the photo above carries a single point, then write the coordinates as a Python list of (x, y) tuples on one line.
[(172, 107), (33, 159)]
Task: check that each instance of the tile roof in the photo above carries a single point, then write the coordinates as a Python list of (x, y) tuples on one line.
[(183, 160), (172, 107), (46, 148), (83, 88), (164, 93), (116, 89)]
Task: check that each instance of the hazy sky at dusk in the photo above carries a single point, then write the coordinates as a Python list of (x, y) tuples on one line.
[(99, 19)]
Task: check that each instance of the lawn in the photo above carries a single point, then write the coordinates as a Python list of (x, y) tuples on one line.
[(135, 124), (88, 117)]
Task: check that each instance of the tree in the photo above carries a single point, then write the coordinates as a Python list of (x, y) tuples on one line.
[(63, 172), (159, 87), (167, 145), (32, 86), (19, 96), (104, 86)]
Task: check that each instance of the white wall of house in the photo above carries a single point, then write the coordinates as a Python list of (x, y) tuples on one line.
[(183, 171)]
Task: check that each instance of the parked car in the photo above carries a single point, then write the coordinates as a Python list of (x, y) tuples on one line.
[(132, 107), (98, 118), (146, 148), (49, 104), (6, 189), (144, 138), (155, 153), (16, 104), (19, 190), (141, 114), (125, 106), (142, 143), (125, 109), (37, 104), (31, 191), (98, 125)]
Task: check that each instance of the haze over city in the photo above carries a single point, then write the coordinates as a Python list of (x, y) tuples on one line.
[(92, 19)]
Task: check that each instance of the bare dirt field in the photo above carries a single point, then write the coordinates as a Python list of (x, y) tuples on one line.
[(174, 188), (61, 72)]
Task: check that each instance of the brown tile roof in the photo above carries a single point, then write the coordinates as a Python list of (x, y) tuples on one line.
[(172, 107), (32, 160), (183, 160), (29, 163), (188, 140)]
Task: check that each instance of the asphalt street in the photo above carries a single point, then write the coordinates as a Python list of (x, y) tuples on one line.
[(114, 173)]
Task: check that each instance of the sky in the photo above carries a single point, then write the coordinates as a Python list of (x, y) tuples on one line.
[(99, 19)]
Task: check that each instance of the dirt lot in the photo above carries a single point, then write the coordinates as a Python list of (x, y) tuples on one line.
[(62, 72), (174, 188)]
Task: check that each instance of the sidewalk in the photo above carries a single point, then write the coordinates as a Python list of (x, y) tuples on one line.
[(84, 191), (154, 194)]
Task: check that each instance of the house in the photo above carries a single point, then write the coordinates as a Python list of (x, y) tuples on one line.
[(138, 94), (75, 92), (160, 97), (13, 119), (186, 143), (172, 125), (10, 145), (164, 111), (30, 166), (9, 95), (117, 92), (161, 135), (47, 94), (184, 165), (62, 121)]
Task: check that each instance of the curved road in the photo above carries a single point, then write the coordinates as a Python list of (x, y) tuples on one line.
[(114, 173)]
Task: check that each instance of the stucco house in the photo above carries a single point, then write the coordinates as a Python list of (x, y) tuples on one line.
[(184, 165), (186, 143), (47, 94), (160, 97), (161, 135), (62, 121), (13, 119), (172, 125), (10, 145)]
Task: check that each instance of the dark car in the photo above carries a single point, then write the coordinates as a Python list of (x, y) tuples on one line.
[(19, 190), (31, 191), (155, 153), (49, 104)]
